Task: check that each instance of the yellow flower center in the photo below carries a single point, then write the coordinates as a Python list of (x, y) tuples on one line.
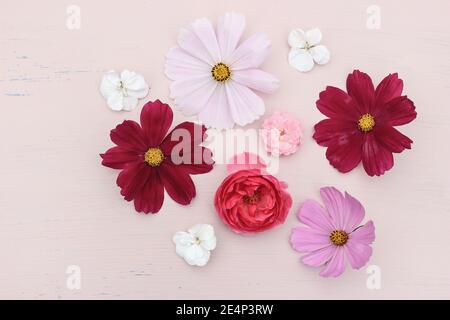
[(221, 72), (366, 122), (154, 157), (339, 237)]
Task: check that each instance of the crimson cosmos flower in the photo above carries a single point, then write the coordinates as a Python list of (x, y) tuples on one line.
[(361, 123), (144, 154)]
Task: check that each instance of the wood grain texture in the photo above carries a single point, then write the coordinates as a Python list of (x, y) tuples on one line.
[(60, 207)]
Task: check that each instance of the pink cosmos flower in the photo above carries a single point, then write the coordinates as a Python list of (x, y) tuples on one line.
[(333, 234), (282, 134), (215, 74)]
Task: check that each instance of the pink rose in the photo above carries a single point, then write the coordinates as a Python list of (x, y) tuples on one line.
[(282, 134), (250, 200)]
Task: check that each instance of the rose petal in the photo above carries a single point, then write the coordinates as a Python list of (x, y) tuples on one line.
[(245, 161)]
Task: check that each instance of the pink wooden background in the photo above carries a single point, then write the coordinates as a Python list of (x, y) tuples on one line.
[(60, 207)]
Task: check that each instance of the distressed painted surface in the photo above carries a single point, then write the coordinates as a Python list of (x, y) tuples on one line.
[(59, 207)]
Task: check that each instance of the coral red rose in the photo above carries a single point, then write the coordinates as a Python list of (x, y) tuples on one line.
[(149, 162), (361, 123), (250, 200)]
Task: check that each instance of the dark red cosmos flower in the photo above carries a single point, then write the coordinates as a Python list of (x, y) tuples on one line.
[(361, 123), (144, 154)]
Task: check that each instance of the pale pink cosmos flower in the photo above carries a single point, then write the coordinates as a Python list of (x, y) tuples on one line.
[(333, 235), (282, 134), (215, 75)]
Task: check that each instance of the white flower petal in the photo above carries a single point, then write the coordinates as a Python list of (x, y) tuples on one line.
[(197, 256), (230, 27), (129, 103), (301, 60), (183, 238), (115, 101), (251, 53), (320, 54), (109, 84), (122, 91), (209, 244), (135, 84), (202, 231), (127, 77), (192, 93), (245, 106), (194, 102), (256, 79), (297, 39), (216, 113), (313, 36), (181, 64), (194, 246), (207, 35), (183, 87), (200, 41), (205, 233), (182, 249), (201, 262)]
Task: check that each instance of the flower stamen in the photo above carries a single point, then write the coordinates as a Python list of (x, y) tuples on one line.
[(253, 199), (121, 87), (154, 157), (339, 237), (366, 122), (221, 72)]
